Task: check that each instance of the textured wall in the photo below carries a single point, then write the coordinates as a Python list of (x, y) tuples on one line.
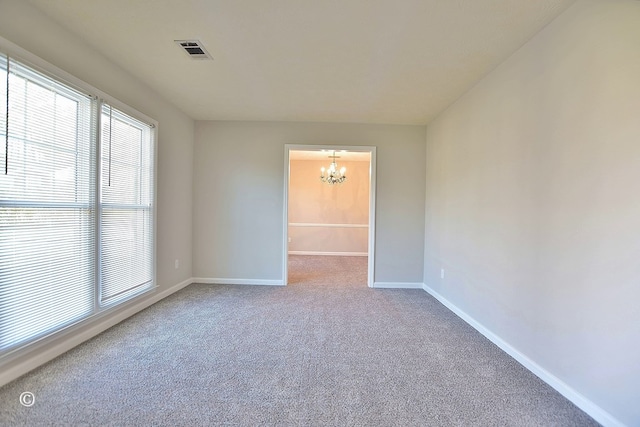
[(532, 204)]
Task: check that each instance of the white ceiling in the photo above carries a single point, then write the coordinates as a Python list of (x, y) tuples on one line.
[(362, 61)]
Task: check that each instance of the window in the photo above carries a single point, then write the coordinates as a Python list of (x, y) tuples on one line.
[(76, 205), (125, 214)]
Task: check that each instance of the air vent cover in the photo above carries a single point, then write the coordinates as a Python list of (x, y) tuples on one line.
[(194, 49)]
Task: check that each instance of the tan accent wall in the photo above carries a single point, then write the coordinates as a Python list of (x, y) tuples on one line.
[(312, 201)]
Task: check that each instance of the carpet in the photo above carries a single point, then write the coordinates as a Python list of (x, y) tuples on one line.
[(325, 350)]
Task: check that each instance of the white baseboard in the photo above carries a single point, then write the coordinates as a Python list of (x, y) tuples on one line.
[(42, 352), (593, 410), (397, 285), (327, 253), (225, 281)]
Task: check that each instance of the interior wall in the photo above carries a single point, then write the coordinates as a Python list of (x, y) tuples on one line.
[(312, 201), (239, 195), (532, 204), (28, 28)]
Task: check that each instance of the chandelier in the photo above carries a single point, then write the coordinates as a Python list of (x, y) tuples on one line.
[(333, 175)]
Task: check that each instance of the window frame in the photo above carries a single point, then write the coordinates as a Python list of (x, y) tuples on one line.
[(100, 311)]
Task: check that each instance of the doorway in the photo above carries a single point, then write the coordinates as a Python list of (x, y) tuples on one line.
[(360, 236)]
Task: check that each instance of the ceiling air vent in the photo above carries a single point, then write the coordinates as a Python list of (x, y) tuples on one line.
[(194, 49)]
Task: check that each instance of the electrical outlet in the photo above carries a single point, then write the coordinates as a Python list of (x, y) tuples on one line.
[(289, 239), (442, 273), (177, 264)]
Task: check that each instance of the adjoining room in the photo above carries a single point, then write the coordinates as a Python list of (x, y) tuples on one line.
[(329, 205)]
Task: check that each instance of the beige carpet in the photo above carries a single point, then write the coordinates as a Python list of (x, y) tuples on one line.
[(328, 271)]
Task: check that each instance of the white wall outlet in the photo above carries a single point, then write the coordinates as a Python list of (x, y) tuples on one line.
[(177, 264), (289, 239), (442, 273)]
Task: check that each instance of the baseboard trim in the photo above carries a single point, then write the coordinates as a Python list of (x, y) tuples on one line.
[(593, 410), (327, 253), (33, 357), (227, 281), (398, 285)]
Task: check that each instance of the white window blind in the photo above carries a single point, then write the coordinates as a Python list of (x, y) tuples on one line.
[(47, 211), (76, 205), (125, 206)]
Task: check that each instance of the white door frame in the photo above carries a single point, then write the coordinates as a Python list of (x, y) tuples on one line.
[(372, 202)]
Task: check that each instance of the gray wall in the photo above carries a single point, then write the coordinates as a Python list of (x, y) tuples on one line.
[(239, 189), (533, 207)]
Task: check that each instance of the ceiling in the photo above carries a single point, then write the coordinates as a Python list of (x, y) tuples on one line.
[(341, 155), (360, 61)]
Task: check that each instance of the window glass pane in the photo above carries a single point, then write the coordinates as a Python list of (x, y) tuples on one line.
[(127, 248), (49, 140), (126, 211), (46, 274), (47, 218)]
